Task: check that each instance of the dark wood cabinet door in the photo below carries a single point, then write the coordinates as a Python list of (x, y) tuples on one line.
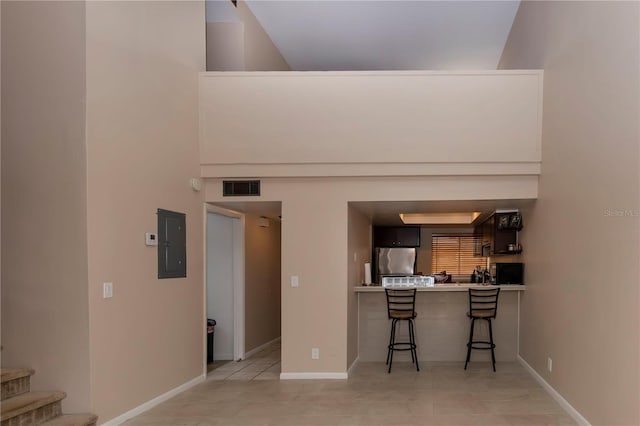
[(383, 236), (408, 236), (396, 236)]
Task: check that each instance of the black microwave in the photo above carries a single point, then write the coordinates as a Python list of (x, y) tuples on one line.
[(509, 273)]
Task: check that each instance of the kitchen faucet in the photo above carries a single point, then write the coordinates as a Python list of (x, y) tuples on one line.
[(485, 273), (486, 277)]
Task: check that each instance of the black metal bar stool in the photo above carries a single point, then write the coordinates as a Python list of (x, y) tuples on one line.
[(483, 305), (401, 306)]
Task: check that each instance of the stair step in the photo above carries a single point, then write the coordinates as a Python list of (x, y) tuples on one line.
[(31, 408), (73, 420), (15, 381), (7, 374)]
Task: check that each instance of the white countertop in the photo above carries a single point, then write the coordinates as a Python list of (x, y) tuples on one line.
[(443, 287)]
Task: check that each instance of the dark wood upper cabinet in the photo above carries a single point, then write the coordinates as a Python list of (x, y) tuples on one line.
[(497, 233), (396, 236)]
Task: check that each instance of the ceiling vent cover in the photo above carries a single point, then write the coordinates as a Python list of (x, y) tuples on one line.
[(236, 188)]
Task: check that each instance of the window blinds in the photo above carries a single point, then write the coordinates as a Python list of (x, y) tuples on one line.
[(454, 254)]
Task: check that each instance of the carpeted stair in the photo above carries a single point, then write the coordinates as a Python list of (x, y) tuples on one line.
[(21, 407)]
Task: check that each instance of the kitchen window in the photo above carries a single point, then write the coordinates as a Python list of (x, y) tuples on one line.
[(454, 254)]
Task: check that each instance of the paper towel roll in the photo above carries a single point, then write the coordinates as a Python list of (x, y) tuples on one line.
[(367, 273)]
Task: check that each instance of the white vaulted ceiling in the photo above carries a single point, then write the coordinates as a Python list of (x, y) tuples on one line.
[(318, 35)]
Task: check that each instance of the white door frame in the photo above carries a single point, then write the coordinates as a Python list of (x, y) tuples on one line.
[(238, 278)]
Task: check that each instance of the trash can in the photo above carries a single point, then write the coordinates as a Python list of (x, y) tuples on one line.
[(211, 323)]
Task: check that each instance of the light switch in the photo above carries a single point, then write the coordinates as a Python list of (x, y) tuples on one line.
[(107, 290), (294, 281)]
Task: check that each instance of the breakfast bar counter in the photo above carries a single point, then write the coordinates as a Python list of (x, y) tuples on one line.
[(444, 287), (442, 326)]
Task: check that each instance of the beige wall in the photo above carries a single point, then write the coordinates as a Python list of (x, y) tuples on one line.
[(359, 253), (225, 46), (45, 317), (262, 281), (242, 46), (308, 118), (581, 250), (314, 233), (0, 184), (315, 244), (143, 60), (260, 54)]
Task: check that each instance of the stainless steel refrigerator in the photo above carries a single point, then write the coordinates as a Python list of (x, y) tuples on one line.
[(395, 261)]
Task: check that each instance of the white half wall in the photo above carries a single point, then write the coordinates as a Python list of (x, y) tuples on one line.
[(293, 118)]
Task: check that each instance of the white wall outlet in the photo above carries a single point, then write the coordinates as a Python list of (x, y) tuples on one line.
[(549, 364), (355, 257), (315, 353), (294, 281), (107, 290)]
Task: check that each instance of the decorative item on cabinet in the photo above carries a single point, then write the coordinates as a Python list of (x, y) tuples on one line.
[(503, 222), (509, 221)]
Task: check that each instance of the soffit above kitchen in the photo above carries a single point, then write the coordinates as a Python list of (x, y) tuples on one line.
[(320, 35), (387, 213)]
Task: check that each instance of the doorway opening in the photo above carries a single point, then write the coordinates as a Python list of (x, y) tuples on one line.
[(243, 280)]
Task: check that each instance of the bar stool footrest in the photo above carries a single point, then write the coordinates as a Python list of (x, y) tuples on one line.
[(485, 345), (402, 346)]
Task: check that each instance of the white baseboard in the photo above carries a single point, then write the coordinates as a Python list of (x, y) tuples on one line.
[(155, 401), (259, 348), (353, 365), (554, 394), (312, 376)]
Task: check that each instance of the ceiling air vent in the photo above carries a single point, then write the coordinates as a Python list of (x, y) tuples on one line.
[(235, 188)]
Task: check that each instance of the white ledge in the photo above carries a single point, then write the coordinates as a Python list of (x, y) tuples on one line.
[(444, 287), (368, 169), (406, 73)]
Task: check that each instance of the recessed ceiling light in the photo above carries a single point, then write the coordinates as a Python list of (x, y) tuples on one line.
[(464, 218)]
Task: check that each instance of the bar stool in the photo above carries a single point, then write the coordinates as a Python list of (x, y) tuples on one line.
[(401, 306), (483, 305)]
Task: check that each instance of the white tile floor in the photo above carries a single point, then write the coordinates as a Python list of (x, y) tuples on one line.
[(264, 365), (249, 393)]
